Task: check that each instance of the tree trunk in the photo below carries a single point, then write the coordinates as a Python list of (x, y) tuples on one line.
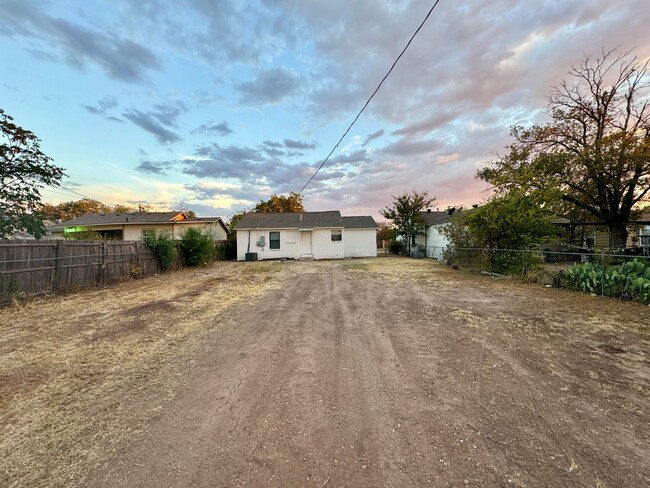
[(617, 236)]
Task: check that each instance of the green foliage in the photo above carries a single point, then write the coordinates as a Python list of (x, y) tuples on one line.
[(84, 235), (277, 203), (24, 171), (594, 154), (234, 220), (292, 203), (76, 208), (164, 248), (503, 227), (8, 289), (225, 251), (197, 248), (630, 280), (405, 214)]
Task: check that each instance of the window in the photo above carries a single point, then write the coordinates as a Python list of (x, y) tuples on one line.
[(148, 233), (337, 235), (274, 240)]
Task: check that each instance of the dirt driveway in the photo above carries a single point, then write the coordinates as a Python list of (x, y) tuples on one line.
[(385, 372)]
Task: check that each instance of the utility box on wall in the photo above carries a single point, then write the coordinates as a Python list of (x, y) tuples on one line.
[(261, 241)]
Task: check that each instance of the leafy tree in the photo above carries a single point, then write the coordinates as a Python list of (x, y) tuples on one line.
[(24, 171), (76, 208), (277, 203), (234, 220), (594, 154), (385, 232), (405, 214), (72, 209), (196, 247), (165, 249), (292, 203), (512, 222)]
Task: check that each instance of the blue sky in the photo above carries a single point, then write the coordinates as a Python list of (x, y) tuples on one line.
[(213, 105)]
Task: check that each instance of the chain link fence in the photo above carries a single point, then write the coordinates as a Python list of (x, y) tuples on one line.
[(605, 273)]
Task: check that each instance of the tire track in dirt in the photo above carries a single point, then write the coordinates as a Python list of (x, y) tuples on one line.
[(341, 378)]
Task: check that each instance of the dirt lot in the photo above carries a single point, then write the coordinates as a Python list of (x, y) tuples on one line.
[(385, 372)]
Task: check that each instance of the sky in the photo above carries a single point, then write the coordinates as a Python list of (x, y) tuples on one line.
[(212, 105)]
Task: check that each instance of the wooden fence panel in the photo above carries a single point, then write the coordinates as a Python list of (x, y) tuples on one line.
[(37, 267)]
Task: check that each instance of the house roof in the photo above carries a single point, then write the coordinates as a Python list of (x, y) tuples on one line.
[(435, 218), (303, 220), (92, 219), (359, 222)]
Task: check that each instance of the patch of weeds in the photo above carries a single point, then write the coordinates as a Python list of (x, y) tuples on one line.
[(360, 265), (261, 268)]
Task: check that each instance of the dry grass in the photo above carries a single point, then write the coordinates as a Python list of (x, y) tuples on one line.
[(72, 368)]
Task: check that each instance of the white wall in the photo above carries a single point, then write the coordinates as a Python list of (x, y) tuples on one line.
[(360, 243), (436, 242), (355, 243), (289, 244), (324, 248)]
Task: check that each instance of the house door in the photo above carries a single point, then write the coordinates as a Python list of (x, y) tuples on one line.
[(306, 242)]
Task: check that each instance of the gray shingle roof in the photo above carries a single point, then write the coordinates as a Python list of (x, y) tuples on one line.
[(284, 220), (359, 222), (121, 218), (435, 218)]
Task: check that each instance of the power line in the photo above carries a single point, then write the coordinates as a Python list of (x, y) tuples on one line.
[(75, 192), (371, 96), (65, 194)]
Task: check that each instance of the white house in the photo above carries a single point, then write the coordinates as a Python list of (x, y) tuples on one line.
[(305, 235), (432, 243)]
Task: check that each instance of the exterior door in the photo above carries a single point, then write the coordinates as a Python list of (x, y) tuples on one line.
[(306, 242)]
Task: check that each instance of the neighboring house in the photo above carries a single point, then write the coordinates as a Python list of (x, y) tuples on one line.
[(595, 235), (305, 235), (432, 243), (136, 226), (23, 235)]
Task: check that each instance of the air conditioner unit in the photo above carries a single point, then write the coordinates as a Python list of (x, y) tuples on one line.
[(261, 241)]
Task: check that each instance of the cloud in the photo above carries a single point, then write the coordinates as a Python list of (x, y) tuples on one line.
[(154, 167), (373, 136), (159, 121), (220, 129), (150, 124), (104, 105), (269, 86), (290, 144), (59, 39)]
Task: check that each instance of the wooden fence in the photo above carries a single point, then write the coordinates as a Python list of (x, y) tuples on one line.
[(37, 267)]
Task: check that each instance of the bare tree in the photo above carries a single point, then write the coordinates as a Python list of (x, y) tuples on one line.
[(594, 154)]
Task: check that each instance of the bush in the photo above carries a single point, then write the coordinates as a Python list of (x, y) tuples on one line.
[(630, 280), (164, 248), (197, 248), (225, 251), (84, 235), (396, 247)]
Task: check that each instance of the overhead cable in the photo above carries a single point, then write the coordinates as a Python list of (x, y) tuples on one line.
[(371, 97)]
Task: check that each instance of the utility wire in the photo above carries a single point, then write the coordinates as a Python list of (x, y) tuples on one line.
[(371, 96)]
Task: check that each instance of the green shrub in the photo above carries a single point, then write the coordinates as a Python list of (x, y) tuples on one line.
[(164, 248), (630, 280), (84, 235), (197, 248), (225, 251)]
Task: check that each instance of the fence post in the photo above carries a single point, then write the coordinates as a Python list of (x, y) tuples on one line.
[(56, 274), (602, 279), (523, 263), (104, 273)]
